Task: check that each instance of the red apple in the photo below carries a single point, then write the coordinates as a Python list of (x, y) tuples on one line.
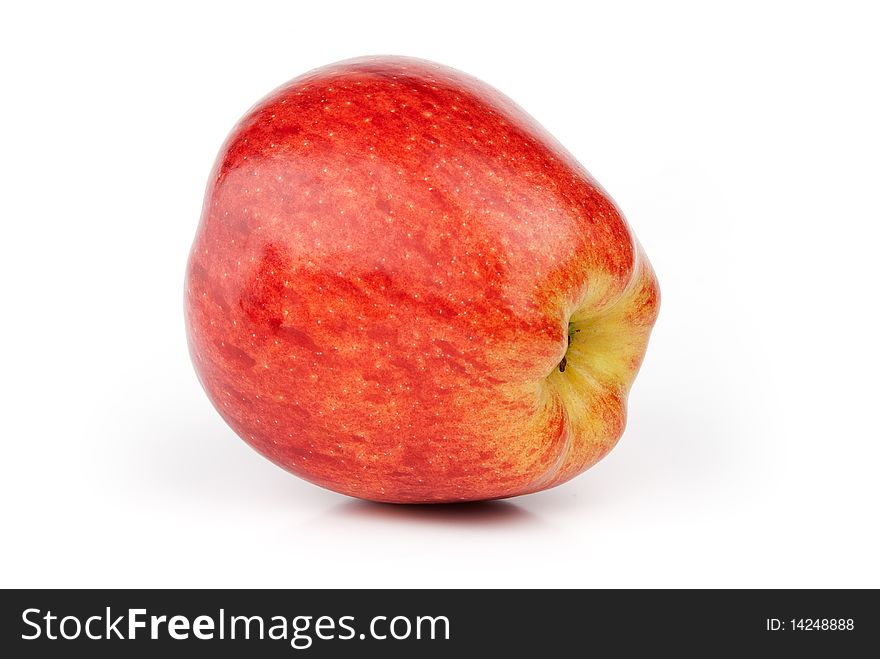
[(404, 289)]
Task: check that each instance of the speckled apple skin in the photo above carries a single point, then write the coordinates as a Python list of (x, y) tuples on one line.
[(392, 261)]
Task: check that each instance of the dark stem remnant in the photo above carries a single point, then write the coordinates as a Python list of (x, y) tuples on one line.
[(562, 364)]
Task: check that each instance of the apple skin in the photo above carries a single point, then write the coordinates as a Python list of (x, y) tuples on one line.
[(392, 262)]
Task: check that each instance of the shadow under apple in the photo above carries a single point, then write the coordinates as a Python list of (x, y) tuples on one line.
[(468, 514)]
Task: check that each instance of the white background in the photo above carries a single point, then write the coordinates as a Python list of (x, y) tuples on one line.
[(742, 144)]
